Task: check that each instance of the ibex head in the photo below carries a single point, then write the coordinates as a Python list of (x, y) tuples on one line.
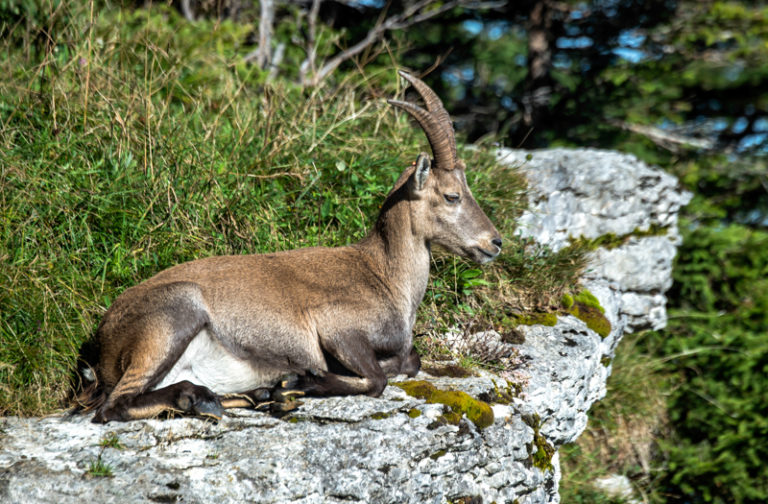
[(443, 206)]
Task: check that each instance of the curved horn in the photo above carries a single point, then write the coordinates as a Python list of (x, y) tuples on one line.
[(435, 122), (431, 100)]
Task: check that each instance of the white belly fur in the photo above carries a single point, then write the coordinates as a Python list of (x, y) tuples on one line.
[(206, 362)]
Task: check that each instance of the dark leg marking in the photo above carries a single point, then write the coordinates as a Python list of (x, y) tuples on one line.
[(412, 364)]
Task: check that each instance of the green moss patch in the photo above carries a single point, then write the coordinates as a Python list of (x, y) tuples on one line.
[(460, 403), (537, 318), (414, 413), (449, 417), (612, 241), (438, 454), (586, 298), (586, 307), (507, 325), (502, 394), (542, 458), (594, 319)]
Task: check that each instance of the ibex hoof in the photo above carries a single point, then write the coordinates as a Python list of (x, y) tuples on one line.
[(285, 395), (199, 401), (284, 407), (209, 409)]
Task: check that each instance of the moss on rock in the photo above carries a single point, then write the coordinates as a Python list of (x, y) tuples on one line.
[(594, 319), (438, 454), (538, 318), (586, 298), (503, 394), (531, 318), (611, 241), (449, 416), (460, 403), (586, 307)]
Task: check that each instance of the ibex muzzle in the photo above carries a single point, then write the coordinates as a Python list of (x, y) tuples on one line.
[(226, 331)]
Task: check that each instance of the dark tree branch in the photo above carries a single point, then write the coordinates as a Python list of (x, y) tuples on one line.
[(412, 14)]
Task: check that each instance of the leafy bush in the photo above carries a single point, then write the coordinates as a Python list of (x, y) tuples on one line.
[(716, 342)]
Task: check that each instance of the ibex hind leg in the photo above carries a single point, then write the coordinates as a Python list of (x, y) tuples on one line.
[(158, 341)]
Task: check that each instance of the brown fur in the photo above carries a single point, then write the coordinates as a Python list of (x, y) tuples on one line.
[(338, 319)]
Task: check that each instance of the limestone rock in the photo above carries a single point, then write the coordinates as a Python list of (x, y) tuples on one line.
[(350, 449)]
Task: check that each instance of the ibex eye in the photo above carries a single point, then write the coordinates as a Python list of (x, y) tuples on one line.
[(451, 198)]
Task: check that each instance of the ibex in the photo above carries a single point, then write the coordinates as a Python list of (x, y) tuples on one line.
[(225, 331)]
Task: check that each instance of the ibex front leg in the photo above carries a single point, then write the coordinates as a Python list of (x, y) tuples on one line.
[(396, 365), (355, 354)]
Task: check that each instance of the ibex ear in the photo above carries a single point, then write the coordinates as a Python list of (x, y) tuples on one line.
[(421, 174)]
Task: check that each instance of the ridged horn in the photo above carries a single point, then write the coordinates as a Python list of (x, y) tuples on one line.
[(432, 101), (435, 122)]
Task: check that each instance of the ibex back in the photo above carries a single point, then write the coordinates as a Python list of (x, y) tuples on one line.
[(225, 331)]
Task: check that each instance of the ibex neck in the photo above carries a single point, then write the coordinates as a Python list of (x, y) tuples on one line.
[(402, 254)]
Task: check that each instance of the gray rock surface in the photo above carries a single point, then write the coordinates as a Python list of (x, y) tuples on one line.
[(352, 449), (361, 449)]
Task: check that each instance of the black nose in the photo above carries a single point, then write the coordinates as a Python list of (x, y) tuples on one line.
[(497, 242)]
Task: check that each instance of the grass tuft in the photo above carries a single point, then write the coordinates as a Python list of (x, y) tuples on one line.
[(100, 469)]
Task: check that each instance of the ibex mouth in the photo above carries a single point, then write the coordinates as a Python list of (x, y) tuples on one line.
[(487, 256)]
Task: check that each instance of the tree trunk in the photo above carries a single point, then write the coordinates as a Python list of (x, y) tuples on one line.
[(538, 88), (266, 21)]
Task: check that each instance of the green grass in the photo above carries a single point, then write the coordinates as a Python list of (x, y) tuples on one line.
[(111, 441), (623, 429), (144, 141), (100, 469)]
